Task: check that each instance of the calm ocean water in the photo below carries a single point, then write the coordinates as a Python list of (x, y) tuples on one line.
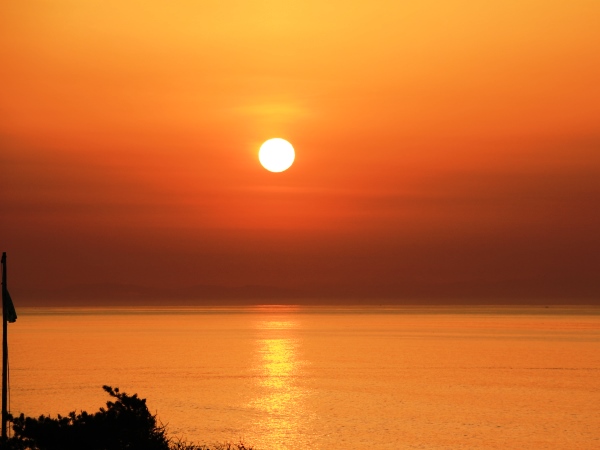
[(322, 378)]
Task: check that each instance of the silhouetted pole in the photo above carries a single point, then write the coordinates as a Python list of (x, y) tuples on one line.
[(4, 349)]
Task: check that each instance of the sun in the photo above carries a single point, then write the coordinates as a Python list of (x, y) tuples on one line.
[(276, 155)]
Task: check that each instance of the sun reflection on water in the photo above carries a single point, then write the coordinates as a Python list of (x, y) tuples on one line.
[(280, 410)]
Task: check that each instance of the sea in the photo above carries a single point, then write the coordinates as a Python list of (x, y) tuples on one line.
[(324, 377)]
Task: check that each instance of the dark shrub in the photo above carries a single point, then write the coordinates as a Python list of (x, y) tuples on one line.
[(125, 424)]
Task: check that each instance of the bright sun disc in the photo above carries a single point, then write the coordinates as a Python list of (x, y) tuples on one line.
[(276, 155)]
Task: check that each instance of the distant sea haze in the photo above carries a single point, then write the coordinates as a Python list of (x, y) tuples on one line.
[(455, 293), (289, 377)]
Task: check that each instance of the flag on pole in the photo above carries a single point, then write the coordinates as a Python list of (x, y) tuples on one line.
[(9, 308)]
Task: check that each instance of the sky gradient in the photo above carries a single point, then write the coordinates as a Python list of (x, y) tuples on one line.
[(444, 150)]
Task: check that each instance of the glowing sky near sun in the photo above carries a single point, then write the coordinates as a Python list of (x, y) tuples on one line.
[(448, 148)]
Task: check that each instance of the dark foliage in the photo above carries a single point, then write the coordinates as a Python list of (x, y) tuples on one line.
[(181, 445), (125, 424)]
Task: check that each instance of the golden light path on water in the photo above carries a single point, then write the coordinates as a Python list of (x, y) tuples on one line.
[(283, 414)]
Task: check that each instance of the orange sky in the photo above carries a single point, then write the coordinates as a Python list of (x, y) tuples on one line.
[(443, 149)]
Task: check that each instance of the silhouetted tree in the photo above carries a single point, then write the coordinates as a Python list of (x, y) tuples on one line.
[(125, 424)]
